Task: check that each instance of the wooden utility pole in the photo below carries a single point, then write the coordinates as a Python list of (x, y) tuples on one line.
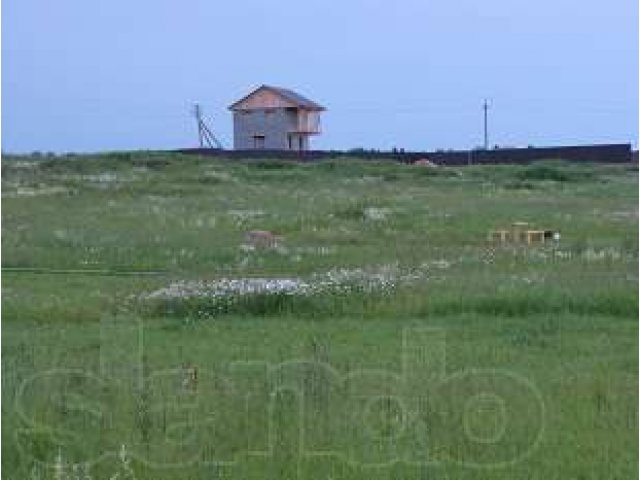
[(198, 114), (204, 134), (485, 107)]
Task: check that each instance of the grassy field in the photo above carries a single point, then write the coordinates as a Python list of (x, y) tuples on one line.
[(382, 336)]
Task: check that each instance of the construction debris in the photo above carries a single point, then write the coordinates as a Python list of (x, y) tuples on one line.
[(424, 162), (520, 233), (262, 239)]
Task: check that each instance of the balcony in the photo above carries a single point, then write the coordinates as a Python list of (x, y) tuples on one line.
[(307, 122)]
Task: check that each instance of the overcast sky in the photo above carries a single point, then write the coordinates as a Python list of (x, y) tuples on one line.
[(86, 75)]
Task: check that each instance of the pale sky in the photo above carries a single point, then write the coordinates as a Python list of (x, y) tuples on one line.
[(88, 75)]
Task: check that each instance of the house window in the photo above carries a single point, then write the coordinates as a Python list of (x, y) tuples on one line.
[(290, 142), (258, 142)]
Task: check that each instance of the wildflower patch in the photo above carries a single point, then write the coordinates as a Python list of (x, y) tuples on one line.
[(225, 295)]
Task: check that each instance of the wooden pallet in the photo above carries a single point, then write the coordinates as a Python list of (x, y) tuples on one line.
[(519, 235)]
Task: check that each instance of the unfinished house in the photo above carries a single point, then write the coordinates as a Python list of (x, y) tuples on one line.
[(273, 118)]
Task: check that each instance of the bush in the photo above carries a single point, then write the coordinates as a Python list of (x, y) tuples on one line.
[(273, 164), (556, 172), (543, 172)]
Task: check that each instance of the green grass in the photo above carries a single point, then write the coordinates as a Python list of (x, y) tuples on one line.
[(411, 381)]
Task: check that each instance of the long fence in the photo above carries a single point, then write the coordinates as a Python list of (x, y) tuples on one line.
[(604, 153)]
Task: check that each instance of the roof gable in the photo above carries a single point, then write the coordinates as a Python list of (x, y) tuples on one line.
[(267, 96)]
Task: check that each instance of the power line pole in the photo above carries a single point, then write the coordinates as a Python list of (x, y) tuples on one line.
[(485, 107), (198, 114), (204, 133)]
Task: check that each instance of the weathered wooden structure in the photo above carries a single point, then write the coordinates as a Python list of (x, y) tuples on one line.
[(521, 233), (274, 118)]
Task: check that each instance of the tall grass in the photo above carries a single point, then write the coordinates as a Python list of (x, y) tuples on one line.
[(561, 317)]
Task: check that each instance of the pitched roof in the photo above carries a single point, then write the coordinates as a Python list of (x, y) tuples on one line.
[(290, 95)]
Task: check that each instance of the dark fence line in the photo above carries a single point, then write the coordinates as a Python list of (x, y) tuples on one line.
[(605, 153)]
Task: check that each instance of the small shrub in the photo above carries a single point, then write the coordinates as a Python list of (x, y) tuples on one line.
[(353, 211), (520, 185), (553, 171), (152, 163), (119, 156), (273, 164), (543, 172)]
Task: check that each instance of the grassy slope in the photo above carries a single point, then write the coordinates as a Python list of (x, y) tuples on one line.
[(562, 318)]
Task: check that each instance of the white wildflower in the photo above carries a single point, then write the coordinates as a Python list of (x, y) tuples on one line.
[(244, 215), (103, 177), (222, 176), (58, 467), (592, 255), (376, 214), (32, 192), (226, 290)]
